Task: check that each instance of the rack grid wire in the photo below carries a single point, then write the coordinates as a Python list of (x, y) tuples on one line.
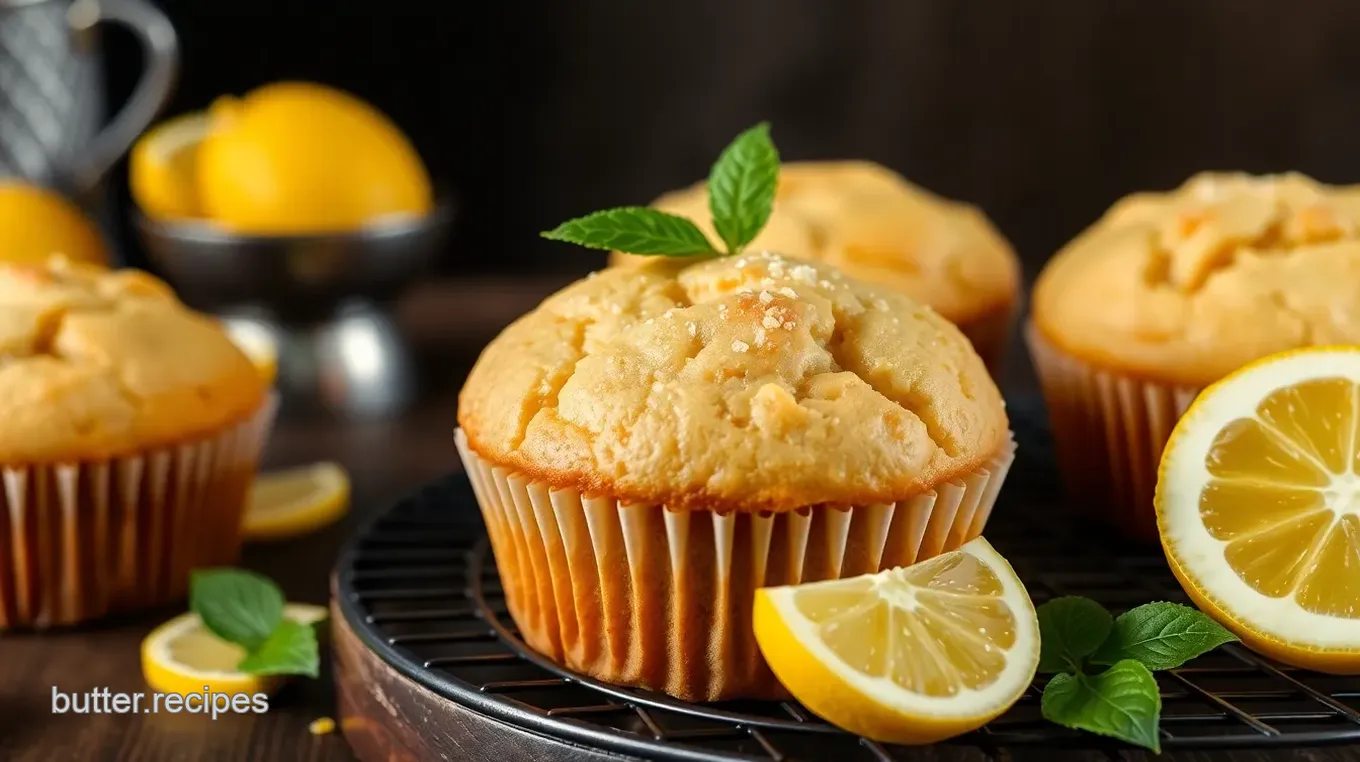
[(419, 586)]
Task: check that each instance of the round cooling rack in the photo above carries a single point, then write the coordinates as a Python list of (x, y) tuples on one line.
[(419, 597)]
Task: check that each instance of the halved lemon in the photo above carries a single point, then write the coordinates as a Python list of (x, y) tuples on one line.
[(1258, 506), (162, 169), (182, 656), (258, 344), (910, 655), (296, 501)]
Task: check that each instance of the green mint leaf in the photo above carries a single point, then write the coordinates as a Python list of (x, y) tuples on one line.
[(741, 187), (634, 230), (1070, 629), (1161, 636), (236, 605), (290, 650), (1122, 702)]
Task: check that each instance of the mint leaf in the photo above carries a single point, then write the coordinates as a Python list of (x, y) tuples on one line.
[(1070, 629), (238, 606), (634, 230), (1161, 636), (741, 187), (1122, 702), (290, 650)]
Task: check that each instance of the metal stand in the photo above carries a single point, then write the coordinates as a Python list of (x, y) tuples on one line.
[(355, 364)]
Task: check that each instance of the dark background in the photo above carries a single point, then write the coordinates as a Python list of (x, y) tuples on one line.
[(1041, 112)]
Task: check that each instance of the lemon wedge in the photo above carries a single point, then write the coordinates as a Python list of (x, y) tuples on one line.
[(912, 655), (256, 343), (162, 168), (182, 656), (296, 501), (1258, 506)]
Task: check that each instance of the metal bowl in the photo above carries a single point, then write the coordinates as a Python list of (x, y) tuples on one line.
[(300, 278), (319, 298)]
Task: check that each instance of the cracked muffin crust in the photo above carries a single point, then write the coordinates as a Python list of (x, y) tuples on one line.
[(1186, 286), (752, 383), (97, 363), (874, 225)]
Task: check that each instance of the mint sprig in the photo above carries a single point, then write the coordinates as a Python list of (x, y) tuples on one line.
[(1123, 701), (1161, 636), (246, 608), (1069, 629), (741, 186), (289, 650), (635, 230)]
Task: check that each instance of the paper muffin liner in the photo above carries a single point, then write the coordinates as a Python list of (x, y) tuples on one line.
[(645, 596), (85, 539), (990, 335), (1109, 430)]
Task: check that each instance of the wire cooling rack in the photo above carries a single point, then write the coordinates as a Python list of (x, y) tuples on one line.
[(420, 588)]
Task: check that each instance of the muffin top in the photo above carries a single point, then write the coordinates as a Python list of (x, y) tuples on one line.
[(874, 225), (734, 384), (1189, 285), (97, 363)]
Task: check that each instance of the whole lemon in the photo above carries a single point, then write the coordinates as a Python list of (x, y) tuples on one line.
[(36, 223), (297, 158)]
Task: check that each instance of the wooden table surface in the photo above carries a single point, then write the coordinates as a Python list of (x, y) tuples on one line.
[(447, 322)]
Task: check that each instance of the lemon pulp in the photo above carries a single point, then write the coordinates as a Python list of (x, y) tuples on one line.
[(1283, 496), (932, 629)]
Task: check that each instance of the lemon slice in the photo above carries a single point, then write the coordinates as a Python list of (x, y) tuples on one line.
[(910, 655), (1258, 506), (256, 343), (296, 501), (182, 656), (162, 167)]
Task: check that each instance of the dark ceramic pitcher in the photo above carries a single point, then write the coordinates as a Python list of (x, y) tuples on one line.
[(53, 129)]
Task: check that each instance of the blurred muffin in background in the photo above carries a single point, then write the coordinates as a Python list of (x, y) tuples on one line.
[(650, 445), (130, 428), (1169, 292), (875, 226)]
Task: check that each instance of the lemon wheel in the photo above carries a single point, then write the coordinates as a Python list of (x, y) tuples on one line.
[(296, 501), (1258, 506), (182, 656), (911, 655)]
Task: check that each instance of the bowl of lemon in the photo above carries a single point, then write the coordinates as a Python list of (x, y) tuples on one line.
[(303, 211)]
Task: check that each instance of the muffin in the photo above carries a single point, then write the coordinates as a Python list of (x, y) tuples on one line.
[(1169, 292), (874, 225), (652, 444), (129, 432)]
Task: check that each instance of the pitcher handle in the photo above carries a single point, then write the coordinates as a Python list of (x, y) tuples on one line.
[(160, 56)]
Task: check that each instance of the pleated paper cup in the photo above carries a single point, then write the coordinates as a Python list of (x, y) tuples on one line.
[(990, 336), (641, 595), (1109, 430), (82, 540)]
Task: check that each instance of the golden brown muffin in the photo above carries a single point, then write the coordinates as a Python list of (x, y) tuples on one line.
[(101, 363), (1169, 292), (129, 426), (633, 436), (875, 226)]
